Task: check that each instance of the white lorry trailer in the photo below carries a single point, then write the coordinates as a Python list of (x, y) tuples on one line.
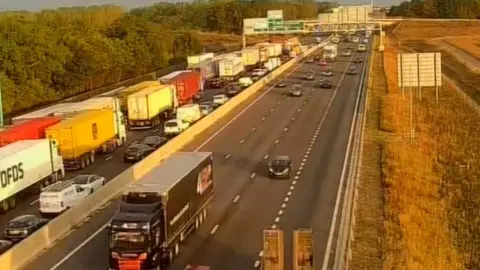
[(330, 52), (29, 164)]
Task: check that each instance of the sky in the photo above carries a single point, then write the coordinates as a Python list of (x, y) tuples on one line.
[(35, 5)]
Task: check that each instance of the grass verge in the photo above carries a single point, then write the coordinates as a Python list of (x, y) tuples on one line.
[(470, 44)]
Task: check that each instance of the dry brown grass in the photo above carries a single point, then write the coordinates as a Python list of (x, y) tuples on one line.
[(428, 30), (470, 44)]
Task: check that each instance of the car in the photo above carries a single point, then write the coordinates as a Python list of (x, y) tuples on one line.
[(351, 47), (260, 72), (206, 108), (175, 126), (347, 53), (309, 76), (365, 40), (361, 48), (137, 151), (255, 78), (324, 84), (322, 62), (296, 91), (21, 227), (155, 141), (310, 60), (355, 39), (89, 182), (358, 60), (352, 70), (280, 167), (281, 84), (233, 89), (328, 72), (5, 245), (220, 99), (216, 83)]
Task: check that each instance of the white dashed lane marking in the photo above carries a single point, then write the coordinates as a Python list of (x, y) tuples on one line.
[(227, 156), (242, 141), (252, 175), (214, 230), (265, 157), (235, 200)]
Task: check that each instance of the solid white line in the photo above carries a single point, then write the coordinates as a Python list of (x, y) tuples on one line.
[(78, 247), (243, 111), (328, 249), (108, 158), (214, 230)]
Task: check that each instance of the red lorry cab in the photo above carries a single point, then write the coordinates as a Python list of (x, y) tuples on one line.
[(30, 130), (187, 83)]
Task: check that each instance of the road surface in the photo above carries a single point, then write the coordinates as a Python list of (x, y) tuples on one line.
[(313, 130)]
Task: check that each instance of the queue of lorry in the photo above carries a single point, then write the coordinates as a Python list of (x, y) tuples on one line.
[(40, 146)]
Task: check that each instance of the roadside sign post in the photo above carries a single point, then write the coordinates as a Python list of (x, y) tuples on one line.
[(419, 70)]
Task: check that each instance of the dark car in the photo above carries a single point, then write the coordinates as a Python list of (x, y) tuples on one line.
[(216, 83), (324, 84), (5, 245), (22, 226), (358, 60), (136, 152), (280, 167), (309, 76), (296, 91), (154, 141), (352, 70), (281, 84), (199, 95), (232, 90)]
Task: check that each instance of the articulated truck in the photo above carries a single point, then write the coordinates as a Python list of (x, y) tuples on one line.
[(83, 134), (148, 107), (158, 211), (27, 165)]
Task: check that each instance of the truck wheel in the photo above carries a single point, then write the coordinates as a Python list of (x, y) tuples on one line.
[(87, 160), (204, 213), (197, 223), (200, 218), (12, 203), (82, 163), (176, 249), (4, 207), (92, 157)]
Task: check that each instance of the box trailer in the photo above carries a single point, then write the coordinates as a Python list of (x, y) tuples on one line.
[(206, 69), (27, 165), (170, 201), (195, 59), (97, 103), (29, 130), (231, 68), (147, 108), (83, 134), (123, 94), (41, 113), (277, 48), (251, 58), (187, 84), (264, 55)]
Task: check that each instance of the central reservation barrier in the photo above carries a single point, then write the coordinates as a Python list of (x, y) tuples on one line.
[(59, 227)]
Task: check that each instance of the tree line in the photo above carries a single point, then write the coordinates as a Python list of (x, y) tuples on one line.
[(49, 55), (465, 9)]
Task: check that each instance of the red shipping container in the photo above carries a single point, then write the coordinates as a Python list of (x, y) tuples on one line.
[(30, 130), (187, 82)]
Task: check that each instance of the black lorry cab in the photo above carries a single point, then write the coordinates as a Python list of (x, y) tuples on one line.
[(159, 210)]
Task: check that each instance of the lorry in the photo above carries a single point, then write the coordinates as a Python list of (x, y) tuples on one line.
[(263, 55), (195, 59), (251, 58), (44, 112), (187, 85), (330, 52), (28, 165), (206, 69), (147, 108), (29, 130), (231, 68), (189, 113), (273, 250), (82, 134), (158, 211), (123, 94), (277, 47), (336, 39)]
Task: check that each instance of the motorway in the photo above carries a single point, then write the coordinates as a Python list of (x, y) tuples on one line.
[(313, 130), (107, 166)]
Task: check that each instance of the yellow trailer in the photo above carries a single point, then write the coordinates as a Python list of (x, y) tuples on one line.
[(82, 135), (123, 94)]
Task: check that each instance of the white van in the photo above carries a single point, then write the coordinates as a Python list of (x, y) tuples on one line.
[(189, 113), (174, 127), (61, 196), (245, 82)]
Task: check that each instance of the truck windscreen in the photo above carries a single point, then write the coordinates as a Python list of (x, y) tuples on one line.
[(128, 241)]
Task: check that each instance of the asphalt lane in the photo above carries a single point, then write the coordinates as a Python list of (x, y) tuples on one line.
[(93, 254), (237, 241)]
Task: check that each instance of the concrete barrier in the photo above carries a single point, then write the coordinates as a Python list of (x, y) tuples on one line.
[(60, 226)]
